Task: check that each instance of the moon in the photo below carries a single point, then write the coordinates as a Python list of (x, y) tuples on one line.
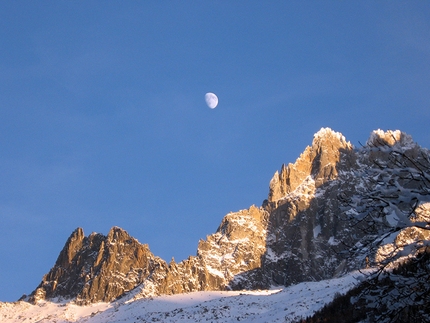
[(211, 100)]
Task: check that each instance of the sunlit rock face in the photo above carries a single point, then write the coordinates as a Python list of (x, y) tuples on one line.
[(238, 245), (318, 161), (295, 236), (97, 268), (103, 268), (304, 231)]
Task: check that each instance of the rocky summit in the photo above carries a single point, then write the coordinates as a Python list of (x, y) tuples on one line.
[(297, 234)]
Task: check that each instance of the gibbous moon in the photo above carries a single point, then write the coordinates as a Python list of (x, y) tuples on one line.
[(211, 100)]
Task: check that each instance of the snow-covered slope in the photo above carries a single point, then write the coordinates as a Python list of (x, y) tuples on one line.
[(278, 305)]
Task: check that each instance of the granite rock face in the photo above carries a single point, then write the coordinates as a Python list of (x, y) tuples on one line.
[(97, 267), (318, 161), (102, 268), (295, 236), (304, 231)]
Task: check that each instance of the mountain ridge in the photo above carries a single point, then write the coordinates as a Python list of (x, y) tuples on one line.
[(293, 237)]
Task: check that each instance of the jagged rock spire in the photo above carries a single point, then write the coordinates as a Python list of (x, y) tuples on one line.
[(318, 160), (103, 268), (97, 267)]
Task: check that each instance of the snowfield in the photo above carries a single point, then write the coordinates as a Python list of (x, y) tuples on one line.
[(277, 305)]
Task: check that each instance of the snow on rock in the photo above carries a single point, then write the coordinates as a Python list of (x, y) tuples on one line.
[(390, 137), (328, 132), (317, 231)]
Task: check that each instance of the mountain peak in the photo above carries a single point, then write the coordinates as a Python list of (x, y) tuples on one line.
[(73, 244), (118, 234), (390, 138), (87, 266), (318, 161), (325, 134)]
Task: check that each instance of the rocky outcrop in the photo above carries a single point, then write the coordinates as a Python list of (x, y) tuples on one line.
[(97, 268), (304, 230), (318, 161), (295, 236), (103, 268)]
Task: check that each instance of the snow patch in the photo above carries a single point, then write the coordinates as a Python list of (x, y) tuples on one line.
[(392, 219), (317, 231), (332, 241)]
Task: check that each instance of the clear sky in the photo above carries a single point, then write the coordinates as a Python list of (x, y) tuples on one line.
[(103, 120)]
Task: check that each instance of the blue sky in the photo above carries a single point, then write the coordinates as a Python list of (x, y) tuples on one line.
[(103, 120)]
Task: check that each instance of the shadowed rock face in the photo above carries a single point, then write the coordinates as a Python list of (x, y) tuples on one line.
[(295, 236), (303, 229)]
